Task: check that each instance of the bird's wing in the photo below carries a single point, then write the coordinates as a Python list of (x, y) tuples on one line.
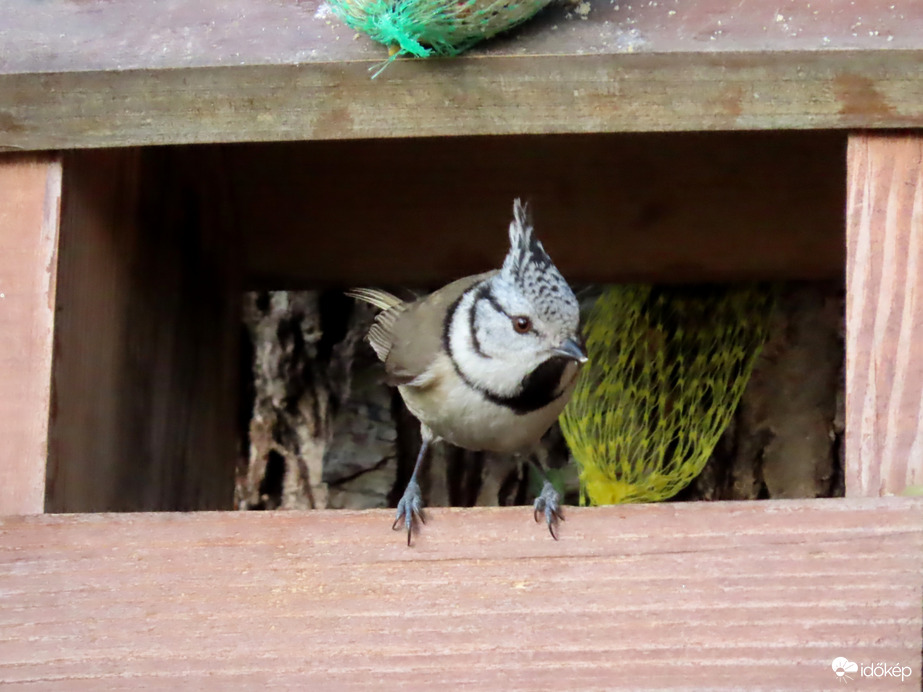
[(408, 336), (416, 338)]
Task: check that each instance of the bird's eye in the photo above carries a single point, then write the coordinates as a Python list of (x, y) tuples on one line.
[(522, 324)]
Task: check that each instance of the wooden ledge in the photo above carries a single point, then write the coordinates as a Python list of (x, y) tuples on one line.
[(103, 74), (723, 595)]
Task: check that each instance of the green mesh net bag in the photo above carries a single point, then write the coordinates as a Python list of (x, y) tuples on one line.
[(667, 367), (423, 28)]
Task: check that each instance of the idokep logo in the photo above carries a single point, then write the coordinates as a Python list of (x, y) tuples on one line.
[(842, 667)]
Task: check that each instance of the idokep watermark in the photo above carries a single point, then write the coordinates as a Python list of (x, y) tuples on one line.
[(848, 670)]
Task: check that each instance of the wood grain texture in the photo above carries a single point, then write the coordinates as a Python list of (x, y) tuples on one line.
[(705, 595), (653, 207), (30, 195), (145, 373), (97, 73), (884, 327), (63, 35)]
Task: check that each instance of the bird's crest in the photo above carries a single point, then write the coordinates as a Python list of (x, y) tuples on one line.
[(528, 267), (525, 249)]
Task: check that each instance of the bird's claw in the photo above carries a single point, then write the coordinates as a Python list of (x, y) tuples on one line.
[(549, 504), (410, 506)]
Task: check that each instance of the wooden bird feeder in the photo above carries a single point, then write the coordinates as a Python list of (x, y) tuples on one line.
[(160, 158)]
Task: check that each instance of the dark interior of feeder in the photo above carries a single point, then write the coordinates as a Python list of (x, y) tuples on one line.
[(206, 356)]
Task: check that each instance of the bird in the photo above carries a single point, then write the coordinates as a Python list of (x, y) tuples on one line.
[(486, 363)]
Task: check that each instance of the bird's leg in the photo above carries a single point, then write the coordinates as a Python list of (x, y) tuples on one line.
[(548, 502), (411, 504)]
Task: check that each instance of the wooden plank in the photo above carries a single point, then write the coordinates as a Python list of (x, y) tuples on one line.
[(98, 73), (148, 318), (884, 327), (706, 595), (677, 207), (63, 36), (30, 194)]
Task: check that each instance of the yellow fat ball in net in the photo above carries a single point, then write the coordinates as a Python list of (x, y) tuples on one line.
[(667, 367)]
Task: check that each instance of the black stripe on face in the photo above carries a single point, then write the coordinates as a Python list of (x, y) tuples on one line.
[(487, 294), (478, 289), (483, 293)]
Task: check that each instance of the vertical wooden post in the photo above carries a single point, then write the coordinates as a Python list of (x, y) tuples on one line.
[(30, 194), (884, 308), (148, 317)]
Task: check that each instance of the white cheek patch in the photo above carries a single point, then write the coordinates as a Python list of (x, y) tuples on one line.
[(496, 338), (480, 355)]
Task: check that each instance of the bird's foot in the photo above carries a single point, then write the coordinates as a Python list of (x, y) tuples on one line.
[(410, 507), (549, 504)]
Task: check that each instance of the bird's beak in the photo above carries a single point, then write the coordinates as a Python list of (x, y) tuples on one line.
[(571, 349)]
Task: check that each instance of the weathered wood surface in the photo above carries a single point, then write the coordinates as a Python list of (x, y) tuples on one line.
[(99, 73), (654, 207), (884, 325), (30, 196), (707, 595), (145, 370), (58, 35)]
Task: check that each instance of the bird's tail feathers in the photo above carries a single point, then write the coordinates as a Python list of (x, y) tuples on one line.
[(380, 336), (375, 296)]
